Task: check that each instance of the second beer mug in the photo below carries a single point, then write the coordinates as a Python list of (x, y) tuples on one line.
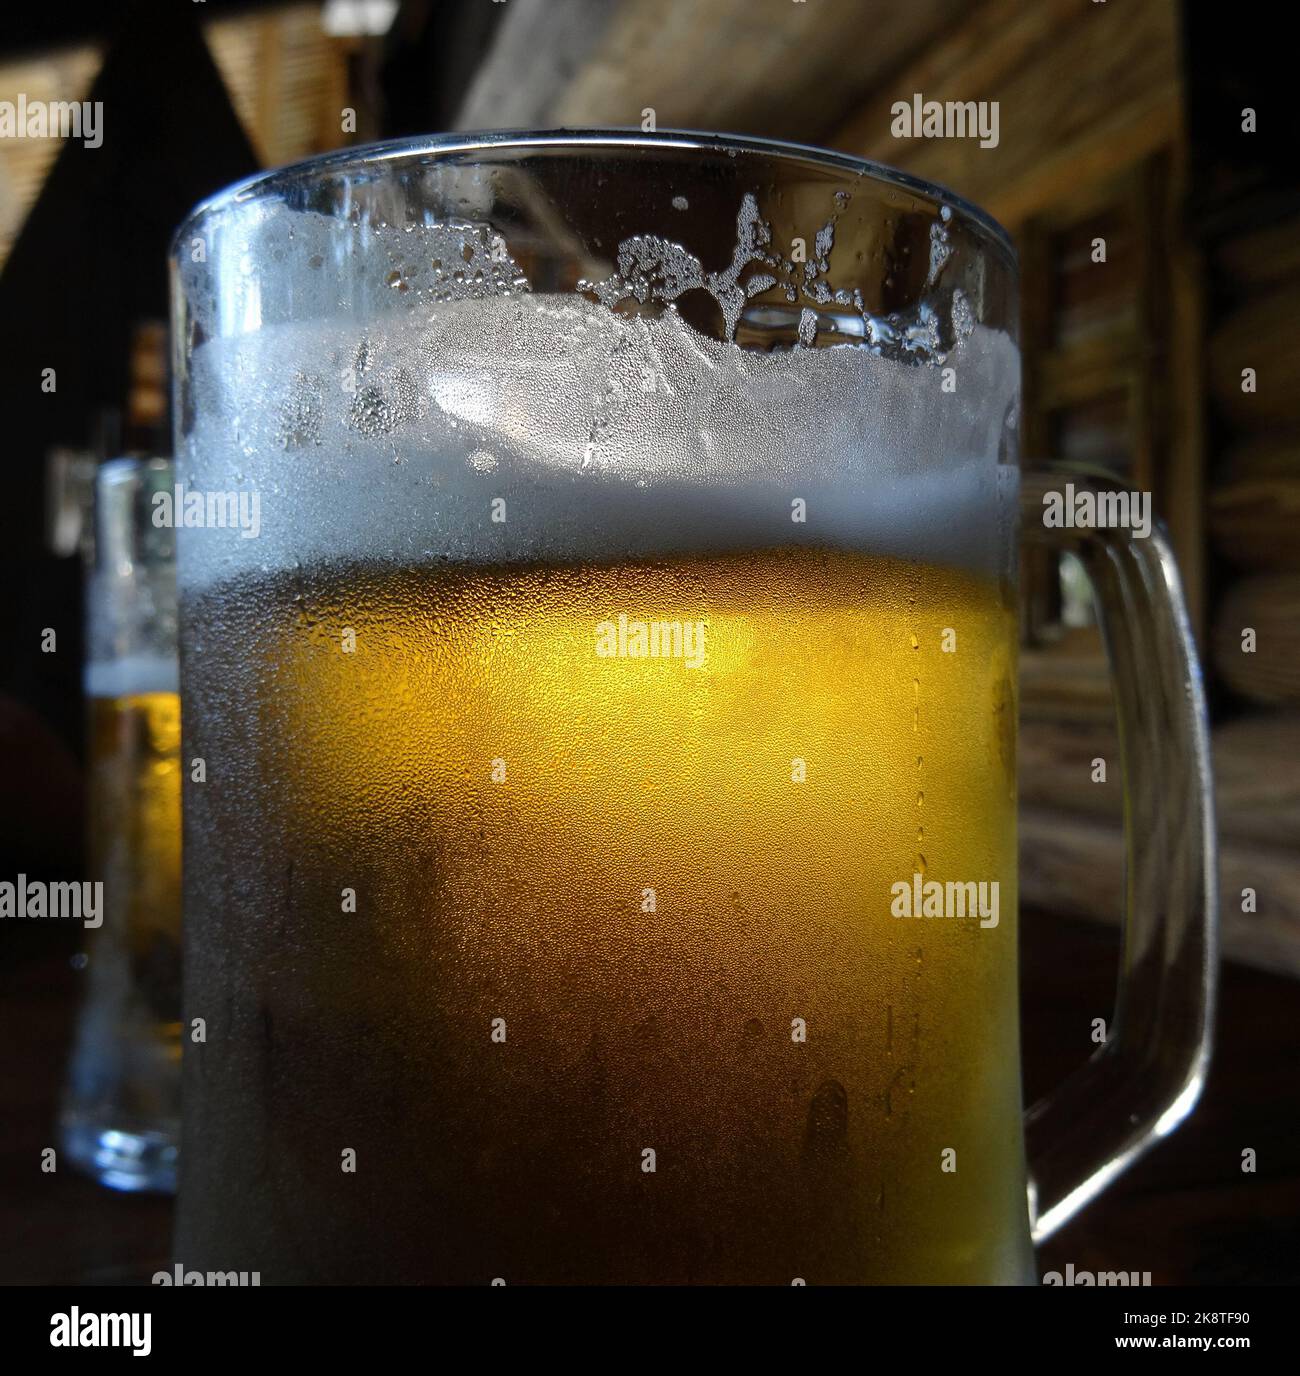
[(603, 867)]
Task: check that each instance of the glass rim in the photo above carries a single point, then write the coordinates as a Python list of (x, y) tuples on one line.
[(270, 181)]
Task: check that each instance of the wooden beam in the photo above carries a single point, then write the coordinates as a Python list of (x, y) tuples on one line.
[(1083, 90), (769, 67), (537, 52)]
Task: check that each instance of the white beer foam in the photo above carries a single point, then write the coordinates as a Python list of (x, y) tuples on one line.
[(608, 437), (131, 675)]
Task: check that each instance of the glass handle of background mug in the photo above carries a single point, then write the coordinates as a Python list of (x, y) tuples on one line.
[(1147, 1076)]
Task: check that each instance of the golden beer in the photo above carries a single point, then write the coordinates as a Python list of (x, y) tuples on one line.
[(135, 815), (556, 953), (121, 1107)]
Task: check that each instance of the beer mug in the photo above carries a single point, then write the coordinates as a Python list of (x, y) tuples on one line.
[(119, 1118), (598, 596)]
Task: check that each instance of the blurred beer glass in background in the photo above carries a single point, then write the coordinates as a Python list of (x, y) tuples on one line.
[(121, 1107), (628, 636)]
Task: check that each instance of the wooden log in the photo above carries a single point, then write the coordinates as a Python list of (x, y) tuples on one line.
[(1257, 803), (1256, 778), (1067, 680), (1262, 258), (1075, 867), (1055, 765), (1268, 604), (1275, 454), (1260, 334), (1255, 522)]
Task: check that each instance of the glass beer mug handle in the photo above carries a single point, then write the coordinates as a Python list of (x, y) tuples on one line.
[(1147, 1076)]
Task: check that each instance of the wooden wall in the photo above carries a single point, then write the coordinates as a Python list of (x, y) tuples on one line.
[(1093, 140)]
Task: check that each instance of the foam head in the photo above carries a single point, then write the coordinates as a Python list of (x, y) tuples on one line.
[(486, 422)]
